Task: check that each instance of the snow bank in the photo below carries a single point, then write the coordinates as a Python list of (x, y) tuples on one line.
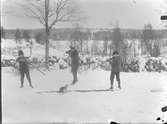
[(7, 43)]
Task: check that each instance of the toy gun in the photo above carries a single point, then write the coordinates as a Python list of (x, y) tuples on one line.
[(16, 66), (38, 70), (109, 60), (69, 52)]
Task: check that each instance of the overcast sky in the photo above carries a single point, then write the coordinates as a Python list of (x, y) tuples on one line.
[(100, 14)]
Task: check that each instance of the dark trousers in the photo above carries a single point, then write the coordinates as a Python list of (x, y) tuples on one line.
[(74, 73), (113, 74), (25, 72)]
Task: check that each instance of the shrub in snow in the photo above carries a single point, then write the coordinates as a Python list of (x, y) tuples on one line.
[(134, 66), (155, 64), (52, 60), (10, 51), (7, 62), (62, 64), (139, 64)]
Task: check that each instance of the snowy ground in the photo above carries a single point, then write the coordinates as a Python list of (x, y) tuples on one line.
[(141, 99)]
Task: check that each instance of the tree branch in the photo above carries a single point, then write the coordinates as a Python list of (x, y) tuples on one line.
[(61, 4), (32, 13), (38, 9)]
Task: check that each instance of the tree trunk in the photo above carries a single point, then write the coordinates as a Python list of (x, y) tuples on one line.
[(110, 48), (30, 47), (81, 45), (47, 32), (47, 51), (87, 47)]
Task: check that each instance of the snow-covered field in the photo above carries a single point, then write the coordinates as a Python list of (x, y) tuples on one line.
[(140, 100)]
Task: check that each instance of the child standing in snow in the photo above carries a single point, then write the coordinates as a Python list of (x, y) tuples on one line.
[(115, 62), (74, 63), (23, 68)]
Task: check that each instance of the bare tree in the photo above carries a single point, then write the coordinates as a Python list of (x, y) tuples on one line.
[(105, 46), (49, 13), (95, 48), (156, 49)]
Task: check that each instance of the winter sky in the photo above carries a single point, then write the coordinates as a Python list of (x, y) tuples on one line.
[(100, 14)]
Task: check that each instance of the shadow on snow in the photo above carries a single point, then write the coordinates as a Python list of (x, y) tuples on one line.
[(81, 91)]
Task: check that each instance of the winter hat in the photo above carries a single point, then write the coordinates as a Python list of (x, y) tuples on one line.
[(72, 47), (20, 53), (115, 53)]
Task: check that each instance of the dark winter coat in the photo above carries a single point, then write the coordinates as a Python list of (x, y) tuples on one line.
[(73, 53), (74, 56), (23, 64), (116, 63)]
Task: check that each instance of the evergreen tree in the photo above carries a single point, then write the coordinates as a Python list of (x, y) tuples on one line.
[(150, 44), (3, 33), (26, 35), (38, 38), (117, 39), (119, 45), (18, 36)]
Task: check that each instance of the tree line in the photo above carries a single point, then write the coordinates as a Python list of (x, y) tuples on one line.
[(112, 39)]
